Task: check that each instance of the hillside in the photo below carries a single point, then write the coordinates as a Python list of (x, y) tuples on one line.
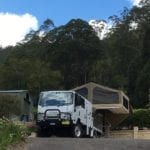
[(71, 55)]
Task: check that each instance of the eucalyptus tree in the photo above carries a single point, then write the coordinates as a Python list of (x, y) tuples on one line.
[(74, 49)]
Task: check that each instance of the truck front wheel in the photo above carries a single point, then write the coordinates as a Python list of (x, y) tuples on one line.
[(43, 132), (77, 131)]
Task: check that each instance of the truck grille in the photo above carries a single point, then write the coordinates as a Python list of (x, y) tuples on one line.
[(51, 114)]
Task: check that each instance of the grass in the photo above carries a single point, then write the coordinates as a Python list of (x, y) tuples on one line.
[(11, 133)]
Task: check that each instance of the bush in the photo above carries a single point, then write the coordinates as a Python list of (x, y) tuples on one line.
[(11, 132), (9, 105), (140, 118)]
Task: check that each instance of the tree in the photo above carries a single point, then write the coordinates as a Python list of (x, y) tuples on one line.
[(75, 50), (72, 54), (30, 74), (127, 51)]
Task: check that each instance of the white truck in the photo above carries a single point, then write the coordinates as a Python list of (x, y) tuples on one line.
[(59, 110)]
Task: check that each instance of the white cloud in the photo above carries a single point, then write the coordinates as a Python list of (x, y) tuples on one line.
[(14, 27), (135, 2), (101, 27)]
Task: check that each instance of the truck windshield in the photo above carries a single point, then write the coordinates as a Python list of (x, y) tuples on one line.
[(55, 98)]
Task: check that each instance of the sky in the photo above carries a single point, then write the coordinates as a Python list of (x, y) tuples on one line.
[(18, 17)]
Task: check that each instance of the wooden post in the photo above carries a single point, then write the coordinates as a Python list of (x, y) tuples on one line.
[(149, 98), (135, 132)]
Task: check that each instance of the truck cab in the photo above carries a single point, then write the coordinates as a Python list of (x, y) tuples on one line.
[(58, 109)]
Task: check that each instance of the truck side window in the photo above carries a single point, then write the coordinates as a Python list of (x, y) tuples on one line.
[(82, 102), (76, 100), (79, 101)]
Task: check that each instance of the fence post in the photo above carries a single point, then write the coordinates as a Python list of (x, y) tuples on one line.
[(135, 132)]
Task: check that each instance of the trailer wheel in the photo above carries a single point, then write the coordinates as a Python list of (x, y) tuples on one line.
[(96, 134), (77, 131)]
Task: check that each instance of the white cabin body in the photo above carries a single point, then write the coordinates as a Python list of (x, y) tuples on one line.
[(65, 108)]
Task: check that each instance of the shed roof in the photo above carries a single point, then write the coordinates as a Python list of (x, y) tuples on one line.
[(14, 91)]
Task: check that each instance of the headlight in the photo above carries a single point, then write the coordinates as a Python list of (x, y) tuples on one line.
[(40, 116), (65, 116)]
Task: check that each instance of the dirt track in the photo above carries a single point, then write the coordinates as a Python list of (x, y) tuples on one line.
[(86, 144)]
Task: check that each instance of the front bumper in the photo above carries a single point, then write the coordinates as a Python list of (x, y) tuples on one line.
[(54, 123), (57, 120)]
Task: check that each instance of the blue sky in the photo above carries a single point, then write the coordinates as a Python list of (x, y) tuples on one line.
[(61, 11), (18, 17)]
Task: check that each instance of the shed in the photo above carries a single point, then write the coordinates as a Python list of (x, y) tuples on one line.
[(26, 104)]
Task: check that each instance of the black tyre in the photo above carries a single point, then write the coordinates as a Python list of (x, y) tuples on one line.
[(43, 132), (77, 131), (96, 134), (39, 132)]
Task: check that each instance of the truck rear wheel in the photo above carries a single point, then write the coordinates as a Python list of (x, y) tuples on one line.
[(77, 131)]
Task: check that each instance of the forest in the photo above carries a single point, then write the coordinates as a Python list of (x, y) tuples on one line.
[(58, 58)]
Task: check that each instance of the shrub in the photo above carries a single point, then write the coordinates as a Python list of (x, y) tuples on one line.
[(140, 118), (11, 132)]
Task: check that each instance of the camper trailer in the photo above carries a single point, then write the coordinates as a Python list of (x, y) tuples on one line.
[(110, 106)]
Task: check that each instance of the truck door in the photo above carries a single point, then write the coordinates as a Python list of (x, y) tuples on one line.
[(89, 114), (80, 110)]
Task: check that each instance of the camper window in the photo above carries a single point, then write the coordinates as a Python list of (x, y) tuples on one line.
[(125, 103)]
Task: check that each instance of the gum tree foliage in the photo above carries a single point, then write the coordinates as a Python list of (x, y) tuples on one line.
[(30, 74), (127, 51), (73, 51), (71, 55)]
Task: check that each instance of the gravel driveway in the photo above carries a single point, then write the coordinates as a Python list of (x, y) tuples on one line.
[(86, 144)]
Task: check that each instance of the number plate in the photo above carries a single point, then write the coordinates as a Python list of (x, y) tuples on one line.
[(65, 122), (52, 123)]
